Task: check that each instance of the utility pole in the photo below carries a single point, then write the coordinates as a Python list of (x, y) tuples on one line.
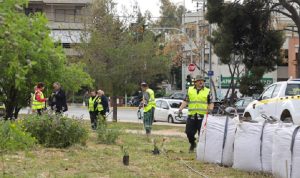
[(183, 67), (209, 56)]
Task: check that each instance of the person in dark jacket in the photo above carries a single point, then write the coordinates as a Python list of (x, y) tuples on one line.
[(58, 99), (104, 103)]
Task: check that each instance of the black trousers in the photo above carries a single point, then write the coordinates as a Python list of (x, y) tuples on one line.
[(193, 125), (93, 117), (39, 112)]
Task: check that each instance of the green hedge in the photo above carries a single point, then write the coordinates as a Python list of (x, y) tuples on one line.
[(56, 130)]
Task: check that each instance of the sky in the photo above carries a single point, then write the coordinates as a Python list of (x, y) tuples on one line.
[(153, 5)]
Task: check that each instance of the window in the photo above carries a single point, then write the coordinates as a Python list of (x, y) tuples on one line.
[(276, 91), (239, 103), (70, 15), (77, 15), (29, 11), (292, 89), (164, 105), (158, 103), (59, 15), (66, 45), (247, 102), (268, 92), (174, 104)]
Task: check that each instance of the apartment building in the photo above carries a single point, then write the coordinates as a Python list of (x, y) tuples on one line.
[(65, 20), (290, 66)]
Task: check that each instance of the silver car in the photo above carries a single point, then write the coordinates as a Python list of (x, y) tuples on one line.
[(167, 110)]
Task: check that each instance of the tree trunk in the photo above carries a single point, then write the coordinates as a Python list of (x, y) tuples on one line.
[(9, 110), (115, 108), (16, 113), (10, 104)]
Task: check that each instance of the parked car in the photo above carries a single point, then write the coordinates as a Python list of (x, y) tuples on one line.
[(178, 95), (167, 110), (241, 104), (281, 100), (2, 109)]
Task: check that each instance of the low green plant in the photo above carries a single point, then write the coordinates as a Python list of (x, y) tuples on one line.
[(105, 135), (125, 150), (56, 130), (13, 137)]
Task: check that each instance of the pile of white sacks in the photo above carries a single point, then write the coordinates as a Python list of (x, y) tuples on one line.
[(264, 146)]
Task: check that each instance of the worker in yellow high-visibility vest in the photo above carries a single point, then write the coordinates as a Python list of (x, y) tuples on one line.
[(199, 103), (38, 99), (93, 110), (148, 103)]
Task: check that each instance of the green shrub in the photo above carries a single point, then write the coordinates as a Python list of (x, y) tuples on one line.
[(13, 137), (56, 130), (105, 135)]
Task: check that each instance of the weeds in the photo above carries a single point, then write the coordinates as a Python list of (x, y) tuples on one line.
[(105, 135), (13, 138)]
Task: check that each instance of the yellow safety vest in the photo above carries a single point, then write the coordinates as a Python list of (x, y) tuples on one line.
[(99, 106), (91, 103), (151, 102), (37, 104), (197, 102)]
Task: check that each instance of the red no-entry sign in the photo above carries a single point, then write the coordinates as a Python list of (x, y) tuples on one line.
[(191, 67)]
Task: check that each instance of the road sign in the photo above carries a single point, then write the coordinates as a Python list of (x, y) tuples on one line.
[(210, 73), (191, 67)]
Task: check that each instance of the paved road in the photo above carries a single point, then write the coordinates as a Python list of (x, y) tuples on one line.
[(129, 114), (124, 114)]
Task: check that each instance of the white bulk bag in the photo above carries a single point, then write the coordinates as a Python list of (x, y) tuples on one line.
[(216, 140), (296, 157), (253, 146), (247, 146), (267, 147), (286, 152)]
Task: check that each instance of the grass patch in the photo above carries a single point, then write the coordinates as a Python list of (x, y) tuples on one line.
[(139, 126), (101, 160)]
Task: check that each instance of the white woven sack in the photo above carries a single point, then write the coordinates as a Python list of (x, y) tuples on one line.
[(267, 149), (282, 163), (214, 146), (247, 146)]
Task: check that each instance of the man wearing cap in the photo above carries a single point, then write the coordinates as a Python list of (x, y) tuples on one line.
[(199, 103), (148, 103)]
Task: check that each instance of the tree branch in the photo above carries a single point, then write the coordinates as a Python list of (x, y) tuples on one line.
[(295, 1), (290, 30), (291, 9), (281, 12)]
